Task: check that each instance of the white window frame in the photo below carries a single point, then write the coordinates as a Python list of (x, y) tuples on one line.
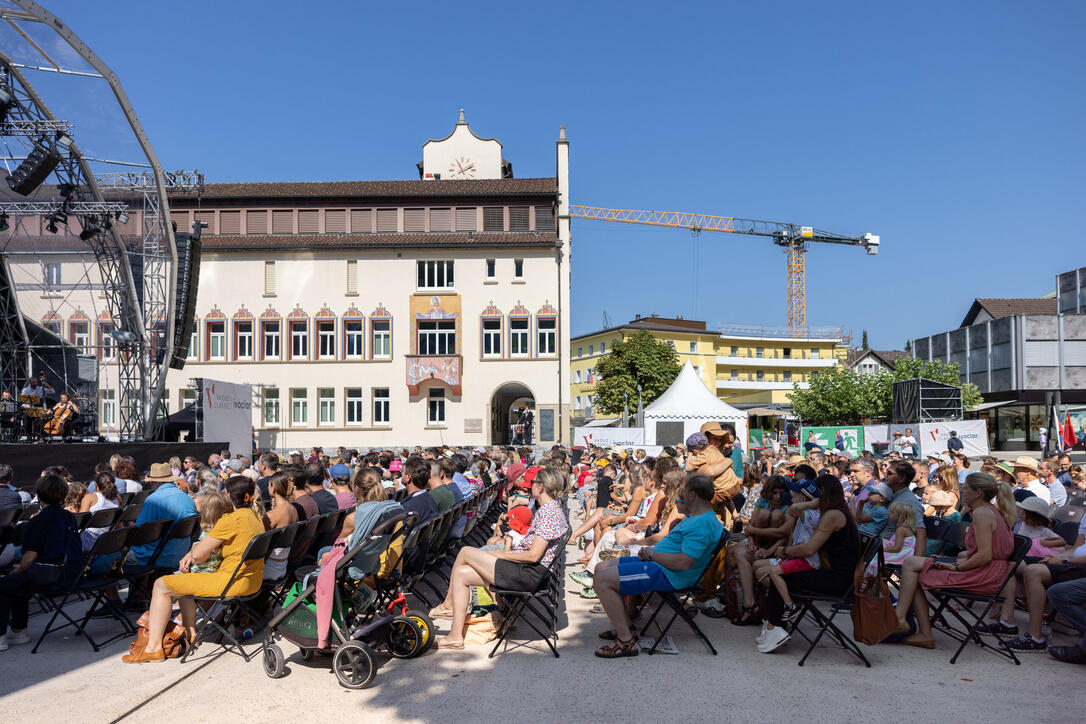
[(787, 374), (759, 376), (577, 403), (547, 339), (213, 337), (106, 341), (109, 407), (435, 406), (272, 410), (437, 338), (326, 406), (275, 338), (519, 337), (492, 338), (299, 340), (353, 338), (52, 276), (434, 274), (815, 353), (759, 353), (577, 376), (354, 406), (381, 347), (194, 343), (382, 406), (299, 407), (693, 348), (187, 396), (326, 339), (243, 340), (82, 340)]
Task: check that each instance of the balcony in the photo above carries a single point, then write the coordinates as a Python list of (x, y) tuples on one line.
[(805, 362), (755, 385), (422, 368)]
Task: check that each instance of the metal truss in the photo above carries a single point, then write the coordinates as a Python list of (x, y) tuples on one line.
[(143, 181), (15, 357), (72, 208), (34, 127)]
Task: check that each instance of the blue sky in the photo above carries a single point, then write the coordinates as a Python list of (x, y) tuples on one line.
[(953, 130)]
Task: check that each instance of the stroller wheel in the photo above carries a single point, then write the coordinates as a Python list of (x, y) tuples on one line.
[(274, 663), (426, 626), (355, 665), (307, 655), (405, 638)]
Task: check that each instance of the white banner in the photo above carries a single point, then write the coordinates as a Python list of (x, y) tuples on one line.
[(972, 433), (228, 415), (609, 436)]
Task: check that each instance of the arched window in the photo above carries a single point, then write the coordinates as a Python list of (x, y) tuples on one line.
[(107, 345), (490, 332), (54, 323), (324, 323), (243, 330), (354, 326), (215, 335), (520, 331), (546, 326), (271, 335), (79, 331), (380, 333), (298, 335)]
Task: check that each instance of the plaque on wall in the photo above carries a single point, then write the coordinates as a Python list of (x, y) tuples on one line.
[(546, 424), (473, 424)]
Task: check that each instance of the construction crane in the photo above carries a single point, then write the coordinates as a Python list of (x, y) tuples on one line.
[(792, 237)]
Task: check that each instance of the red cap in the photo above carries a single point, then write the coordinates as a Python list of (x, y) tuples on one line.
[(529, 476), (520, 519), (514, 472)]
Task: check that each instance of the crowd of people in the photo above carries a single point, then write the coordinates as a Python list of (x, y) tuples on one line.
[(779, 523)]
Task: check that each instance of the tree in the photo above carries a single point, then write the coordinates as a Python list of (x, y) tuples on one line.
[(863, 344), (838, 395), (908, 346), (639, 359)]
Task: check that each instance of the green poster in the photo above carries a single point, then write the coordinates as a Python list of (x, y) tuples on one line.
[(853, 438), (754, 440)]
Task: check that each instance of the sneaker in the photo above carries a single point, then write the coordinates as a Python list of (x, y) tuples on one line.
[(761, 635), (3, 642), (773, 639), (582, 578), (1068, 654), (589, 593), (997, 627), (1025, 644), (791, 610), (15, 636)]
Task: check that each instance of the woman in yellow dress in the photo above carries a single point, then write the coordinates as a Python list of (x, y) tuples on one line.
[(232, 535)]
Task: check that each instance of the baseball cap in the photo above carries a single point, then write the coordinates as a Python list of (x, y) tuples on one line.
[(881, 488), (395, 466), (294, 452), (515, 471), (234, 464), (339, 471), (697, 440), (520, 519), (529, 476), (808, 488)]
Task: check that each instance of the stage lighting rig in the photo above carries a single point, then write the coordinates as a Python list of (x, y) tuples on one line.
[(4, 222)]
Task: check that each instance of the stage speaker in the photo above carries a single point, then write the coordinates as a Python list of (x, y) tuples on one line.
[(188, 281), (923, 400)]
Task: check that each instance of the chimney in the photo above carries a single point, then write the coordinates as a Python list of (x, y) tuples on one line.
[(637, 317), (678, 316)]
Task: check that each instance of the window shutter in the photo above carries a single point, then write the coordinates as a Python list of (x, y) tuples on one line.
[(493, 218), (361, 221), (269, 277), (414, 220), (335, 221), (208, 217), (386, 221), (283, 222), (181, 218), (544, 218), (352, 276), (466, 219), (440, 219), (518, 218), (256, 222), (309, 221), (229, 222)]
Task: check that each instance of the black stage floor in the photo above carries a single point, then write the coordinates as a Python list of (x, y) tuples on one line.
[(80, 457)]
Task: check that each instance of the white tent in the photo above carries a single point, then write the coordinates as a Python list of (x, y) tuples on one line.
[(685, 407)]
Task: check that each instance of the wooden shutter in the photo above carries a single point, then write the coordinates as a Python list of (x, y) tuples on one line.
[(256, 222), (466, 219), (229, 222), (518, 218), (283, 221), (414, 220), (440, 219), (335, 221), (493, 218), (352, 276), (269, 278), (386, 221), (361, 221), (181, 218), (544, 218), (309, 221)]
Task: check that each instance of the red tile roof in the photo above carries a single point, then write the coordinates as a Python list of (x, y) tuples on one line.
[(999, 308), (375, 189)]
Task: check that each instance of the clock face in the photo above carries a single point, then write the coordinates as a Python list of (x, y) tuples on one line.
[(461, 167)]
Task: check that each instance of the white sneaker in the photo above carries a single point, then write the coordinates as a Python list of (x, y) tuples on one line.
[(18, 637), (4, 643), (774, 638), (761, 635)]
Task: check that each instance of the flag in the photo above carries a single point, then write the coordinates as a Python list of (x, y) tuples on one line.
[(1069, 439)]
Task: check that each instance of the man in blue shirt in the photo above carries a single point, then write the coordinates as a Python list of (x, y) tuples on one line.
[(166, 502), (461, 483)]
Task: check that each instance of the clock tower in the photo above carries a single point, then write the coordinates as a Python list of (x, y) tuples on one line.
[(463, 155)]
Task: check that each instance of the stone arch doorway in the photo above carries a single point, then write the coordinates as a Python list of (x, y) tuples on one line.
[(505, 405)]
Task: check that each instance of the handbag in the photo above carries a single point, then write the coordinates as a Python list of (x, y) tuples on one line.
[(174, 640), (873, 615)]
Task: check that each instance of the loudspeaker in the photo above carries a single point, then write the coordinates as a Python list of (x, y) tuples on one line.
[(188, 282), (30, 174)]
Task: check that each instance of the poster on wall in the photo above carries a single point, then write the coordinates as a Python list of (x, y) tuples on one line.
[(609, 436), (228, 414), (972, 433), (852, 437)]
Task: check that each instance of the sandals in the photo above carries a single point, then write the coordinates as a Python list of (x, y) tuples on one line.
[(608, 635), (747, 616), (619, 649), (443, 644), (439, 612)]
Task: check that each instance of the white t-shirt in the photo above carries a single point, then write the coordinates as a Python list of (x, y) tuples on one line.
[(1039, 489), (1081, 550)]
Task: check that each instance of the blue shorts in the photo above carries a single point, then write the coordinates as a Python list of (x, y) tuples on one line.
[(636, 576)]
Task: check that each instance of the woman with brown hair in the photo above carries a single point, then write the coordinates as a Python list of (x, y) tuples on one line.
[(946, 479), (280, 515)]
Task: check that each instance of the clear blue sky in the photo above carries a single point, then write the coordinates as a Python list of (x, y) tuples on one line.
[(953, 130)]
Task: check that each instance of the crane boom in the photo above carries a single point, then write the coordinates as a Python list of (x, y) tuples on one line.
[(792, 237)]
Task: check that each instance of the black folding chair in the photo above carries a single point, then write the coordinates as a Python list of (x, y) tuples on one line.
[(141, 496), (125, 498), (81, 521), (219, 613), (8, 516), (678, 600), (109, 544), (106, 518), (808, 607), (130, 514), (303, 541), (959, 605), (1068, 531), (542, 603)]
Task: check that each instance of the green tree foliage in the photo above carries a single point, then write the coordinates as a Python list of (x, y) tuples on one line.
[(908, 346), (863, 344), (639, 359), (839, 395)]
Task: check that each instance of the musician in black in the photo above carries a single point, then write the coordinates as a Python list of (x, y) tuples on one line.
[(58, 411), (9, 411)]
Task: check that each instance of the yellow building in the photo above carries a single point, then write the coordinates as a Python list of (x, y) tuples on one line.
[(745, 366)]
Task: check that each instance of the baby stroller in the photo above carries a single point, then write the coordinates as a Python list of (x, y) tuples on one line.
[(359, 625)]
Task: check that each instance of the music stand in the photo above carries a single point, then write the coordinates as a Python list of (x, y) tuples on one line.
[(34, 414)]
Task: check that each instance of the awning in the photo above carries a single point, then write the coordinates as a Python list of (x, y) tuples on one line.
[(989, 405), (602, 422), (766, 412)]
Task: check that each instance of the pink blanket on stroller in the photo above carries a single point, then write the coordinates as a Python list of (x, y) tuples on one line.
[(326, 591)]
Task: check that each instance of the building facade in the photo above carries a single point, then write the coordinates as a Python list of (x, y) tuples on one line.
[(368, 313), (744, 366)]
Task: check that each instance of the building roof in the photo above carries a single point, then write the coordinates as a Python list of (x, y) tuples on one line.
[(299, 242), (999, 308), (654, 323), (886, 356), (376, 189)]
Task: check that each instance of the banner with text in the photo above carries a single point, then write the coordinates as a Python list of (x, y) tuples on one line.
[(972, 433), (228, 414), (852, 438), (609, 436)]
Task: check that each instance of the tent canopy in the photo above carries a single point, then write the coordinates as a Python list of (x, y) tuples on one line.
[(689, 398)]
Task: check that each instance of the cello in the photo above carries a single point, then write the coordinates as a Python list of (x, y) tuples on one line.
[(60, 419)]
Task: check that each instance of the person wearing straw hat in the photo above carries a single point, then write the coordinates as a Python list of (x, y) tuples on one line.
[(1026, 474), (715, 462)]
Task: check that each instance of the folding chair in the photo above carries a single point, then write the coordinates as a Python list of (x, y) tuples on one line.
[(141, 496), (108, 545), (81, 521), (303, 541), (327, 531), (808, 606), (1068, 531), (542, 603), (227, 608), (30, 510), (106, 518), (8, 516), (125, 498), (413, 560), (959, 605), (130, 514), (677, 601)]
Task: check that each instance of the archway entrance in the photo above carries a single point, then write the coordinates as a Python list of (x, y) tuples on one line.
[(512, 415)]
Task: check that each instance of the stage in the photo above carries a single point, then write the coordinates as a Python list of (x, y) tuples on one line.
[(28, 460)]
